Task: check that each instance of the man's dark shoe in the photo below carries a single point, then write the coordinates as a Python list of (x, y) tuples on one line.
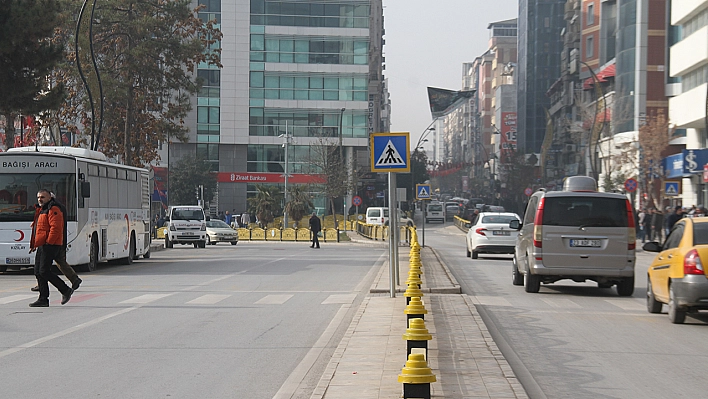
[(75, 285), (66, 297), (35, 288), (39, 304)]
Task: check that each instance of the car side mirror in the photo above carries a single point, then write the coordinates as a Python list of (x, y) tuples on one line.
[(651, 246), (515, 225)]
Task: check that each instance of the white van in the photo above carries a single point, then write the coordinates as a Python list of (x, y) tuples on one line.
[(434, 211), (186, 224), (377, 216)]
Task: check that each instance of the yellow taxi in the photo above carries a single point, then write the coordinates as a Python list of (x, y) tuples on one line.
[(676, 276)]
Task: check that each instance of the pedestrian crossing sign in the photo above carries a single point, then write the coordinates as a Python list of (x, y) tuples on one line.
[(422, 192), (390, 152), (671, 188)]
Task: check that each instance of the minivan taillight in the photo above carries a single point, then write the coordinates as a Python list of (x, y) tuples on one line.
[(538, 225), (692, 263), (632, 236)]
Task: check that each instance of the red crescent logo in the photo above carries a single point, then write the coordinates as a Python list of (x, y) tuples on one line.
[(22, 235)]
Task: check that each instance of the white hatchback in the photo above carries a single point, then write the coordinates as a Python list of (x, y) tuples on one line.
[(490, 233)]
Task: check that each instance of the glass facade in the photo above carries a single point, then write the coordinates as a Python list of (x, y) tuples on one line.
[(309, 50), (270, 158), (306, 123), (623, 117), (325, 15), (208, 99)]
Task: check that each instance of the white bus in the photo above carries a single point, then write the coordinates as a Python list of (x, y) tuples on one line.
[(107, 205)]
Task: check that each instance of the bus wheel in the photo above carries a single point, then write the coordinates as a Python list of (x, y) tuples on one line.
[(133, 249), (3, 269), (146, 255), (93, 255)]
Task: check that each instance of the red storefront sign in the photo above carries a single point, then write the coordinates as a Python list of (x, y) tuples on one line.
[(254, 177)]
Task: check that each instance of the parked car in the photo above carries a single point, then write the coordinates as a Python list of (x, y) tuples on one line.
[(578, 234), (219, 231), (434, 211), (676, 276), (451, 211), (491, 234)]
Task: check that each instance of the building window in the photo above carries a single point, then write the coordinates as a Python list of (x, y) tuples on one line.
[(591, 15), (589, 47)]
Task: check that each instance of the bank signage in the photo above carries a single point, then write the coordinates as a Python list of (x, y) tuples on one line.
[(686, 163), (253, 177)]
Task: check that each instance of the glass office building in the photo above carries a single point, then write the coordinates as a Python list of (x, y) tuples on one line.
[(295, 72)]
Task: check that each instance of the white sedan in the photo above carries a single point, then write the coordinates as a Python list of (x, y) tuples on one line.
[(219, 231), (490, 233)]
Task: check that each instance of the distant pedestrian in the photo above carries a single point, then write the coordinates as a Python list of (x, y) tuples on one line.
[(227, 218), (641, 233), (48, 238), (315, 228), (245, 219), (674, 217), (657, 225)]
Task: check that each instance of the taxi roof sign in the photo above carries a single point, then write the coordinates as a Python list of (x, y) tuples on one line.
[(390, 152)]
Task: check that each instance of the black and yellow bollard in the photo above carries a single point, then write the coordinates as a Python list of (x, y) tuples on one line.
[(417, 336), (415, 310), (414, 278), (411, 291), (416, 377)]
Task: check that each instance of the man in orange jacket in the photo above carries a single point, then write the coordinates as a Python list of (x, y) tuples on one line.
[(48, 238)]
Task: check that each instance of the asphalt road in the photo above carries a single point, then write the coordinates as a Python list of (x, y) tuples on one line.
[(256, 320), (575, 340)]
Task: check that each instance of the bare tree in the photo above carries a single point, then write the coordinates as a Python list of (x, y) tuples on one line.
[(653, 141), (326, 160)]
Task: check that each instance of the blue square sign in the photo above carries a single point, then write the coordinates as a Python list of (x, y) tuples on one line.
[(390, 152), (422, 191)]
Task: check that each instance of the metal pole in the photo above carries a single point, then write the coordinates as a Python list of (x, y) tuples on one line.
[(393, 222), (391, 246), (425, 208), (286, 145)]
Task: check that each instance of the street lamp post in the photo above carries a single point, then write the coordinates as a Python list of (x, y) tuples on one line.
[(286, 145), (341, 160)]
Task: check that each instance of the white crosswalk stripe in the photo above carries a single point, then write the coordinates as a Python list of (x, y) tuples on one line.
[(209, 299), (273, 300), (628, 304), (15, 298), (339, 299), (562, 303), (147, 298)]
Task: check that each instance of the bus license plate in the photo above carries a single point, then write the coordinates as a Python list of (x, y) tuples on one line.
[(585, 243), (17, 261)]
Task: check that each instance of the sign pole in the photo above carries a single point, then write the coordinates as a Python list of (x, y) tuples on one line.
[(391, 236), (425, 209)]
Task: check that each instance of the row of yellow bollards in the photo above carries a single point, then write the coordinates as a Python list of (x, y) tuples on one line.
[(416, 376)]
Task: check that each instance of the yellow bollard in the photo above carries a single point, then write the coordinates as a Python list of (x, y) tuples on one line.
[(415, 309), (417, 336), (414, 278), (411, 291), (416, 377)]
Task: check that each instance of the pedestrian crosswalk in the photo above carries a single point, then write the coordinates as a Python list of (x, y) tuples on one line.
[(185, 298), (538, 302)]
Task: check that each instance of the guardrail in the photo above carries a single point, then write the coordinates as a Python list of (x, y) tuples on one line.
[(462, 224)]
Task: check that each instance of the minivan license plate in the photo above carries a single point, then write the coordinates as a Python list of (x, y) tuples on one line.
[(585, 243), (17, 261)]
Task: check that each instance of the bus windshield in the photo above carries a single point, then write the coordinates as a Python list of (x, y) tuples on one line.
[(18, 194)]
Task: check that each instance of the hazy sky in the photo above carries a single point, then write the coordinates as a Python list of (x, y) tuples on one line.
[(426, 44)]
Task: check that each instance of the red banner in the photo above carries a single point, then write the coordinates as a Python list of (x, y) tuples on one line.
[(253, 177)]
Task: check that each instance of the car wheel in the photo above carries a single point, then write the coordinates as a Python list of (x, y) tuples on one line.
[(234, 242), (532, 283), (475, 254), (653, 306), (604, 285), (168, 243), (201, 244), (208, 240), (467, 247), (676, 314), (3, 269), (626, 286), (517, 277)]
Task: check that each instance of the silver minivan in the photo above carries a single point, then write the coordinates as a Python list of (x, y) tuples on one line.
[(578, 234)]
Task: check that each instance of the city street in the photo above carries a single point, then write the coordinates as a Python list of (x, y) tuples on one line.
[(256, 320), (575, 340)]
